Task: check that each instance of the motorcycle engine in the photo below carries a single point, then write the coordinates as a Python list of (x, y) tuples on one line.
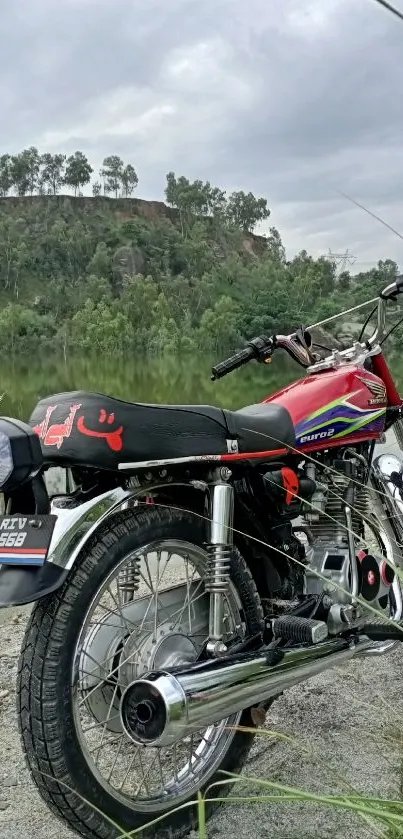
[(327, 536)]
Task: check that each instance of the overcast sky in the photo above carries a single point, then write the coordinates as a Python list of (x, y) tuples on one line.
[(291, 99)]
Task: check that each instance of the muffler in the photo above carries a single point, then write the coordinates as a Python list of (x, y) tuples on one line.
[(162, 708)]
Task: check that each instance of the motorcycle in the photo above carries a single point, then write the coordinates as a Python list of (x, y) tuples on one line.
[(199, 563)]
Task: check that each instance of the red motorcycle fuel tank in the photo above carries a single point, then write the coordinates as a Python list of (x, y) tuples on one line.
[(335, 407)]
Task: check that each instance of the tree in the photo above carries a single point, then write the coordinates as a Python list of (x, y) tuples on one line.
[(171, 189), (13, 250), (101, 329), (24, 171), (245, 211), (194, 200), (52, 175), (19, 174), (129, 180), (216, 201), (190, 199), (344, 281), (33, 159), (219, 326), (275, 246), (100, 262), (24, 329), (112, 172), (78, 171), (96, 189), (5, 175)]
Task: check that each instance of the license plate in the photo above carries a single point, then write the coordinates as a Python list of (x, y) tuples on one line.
[(25, 540)]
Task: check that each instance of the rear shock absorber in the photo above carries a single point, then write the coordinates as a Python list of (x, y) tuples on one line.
[(129, 580), (219, 562)]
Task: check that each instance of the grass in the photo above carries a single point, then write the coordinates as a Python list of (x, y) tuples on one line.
[(383, 816)]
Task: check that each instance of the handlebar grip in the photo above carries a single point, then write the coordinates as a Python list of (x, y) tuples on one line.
[(237, 360)]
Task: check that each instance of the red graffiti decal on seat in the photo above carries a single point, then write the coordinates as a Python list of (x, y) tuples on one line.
[(113, 438), (54, 435)]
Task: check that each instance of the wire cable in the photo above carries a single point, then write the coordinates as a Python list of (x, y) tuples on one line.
[(390, 8), (392, 329), (366, 322), (361, 206)]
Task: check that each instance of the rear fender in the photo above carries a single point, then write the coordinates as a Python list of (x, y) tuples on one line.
[(74, 528)]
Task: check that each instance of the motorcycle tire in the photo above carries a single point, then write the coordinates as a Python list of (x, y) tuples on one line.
[(61, 771)]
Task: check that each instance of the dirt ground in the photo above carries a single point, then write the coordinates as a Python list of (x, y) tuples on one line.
[(341, 722)]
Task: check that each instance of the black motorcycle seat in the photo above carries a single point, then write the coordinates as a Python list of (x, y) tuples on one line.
[(93, 430), (262, 427)]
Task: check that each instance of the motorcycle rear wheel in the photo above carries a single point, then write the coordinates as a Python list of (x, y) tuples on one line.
[(73, 668)]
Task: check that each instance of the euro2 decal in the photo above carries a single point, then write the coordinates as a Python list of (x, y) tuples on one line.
[(339, 419), (54, 434)]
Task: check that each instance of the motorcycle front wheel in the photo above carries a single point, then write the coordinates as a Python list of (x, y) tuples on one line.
[(134, 602)]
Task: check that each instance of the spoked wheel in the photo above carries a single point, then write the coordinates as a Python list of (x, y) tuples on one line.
[(135, 603)]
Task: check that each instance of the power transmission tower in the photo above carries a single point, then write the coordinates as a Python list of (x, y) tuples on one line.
[(341, 260)]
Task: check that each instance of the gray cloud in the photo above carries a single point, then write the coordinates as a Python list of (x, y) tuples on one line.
[(293, 100)]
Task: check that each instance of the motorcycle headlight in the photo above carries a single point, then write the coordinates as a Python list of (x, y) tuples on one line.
[(20, 453), (6, 458)]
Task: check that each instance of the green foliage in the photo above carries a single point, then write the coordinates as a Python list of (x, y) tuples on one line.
[(96, 188), (78, 171), (118, 177), (5, 175), (24, 330), (28, 172), (102, 276), (193, 200), (111, 172), (24, 171), (52, 175), (101, 328), (245, 211), (129, 180)]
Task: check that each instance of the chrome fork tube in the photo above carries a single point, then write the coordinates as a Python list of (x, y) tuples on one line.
[(220, 551), (398, 429)]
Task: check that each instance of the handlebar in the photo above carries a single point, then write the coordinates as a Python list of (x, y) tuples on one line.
[(260, 348), (230, 364), (298, 344)]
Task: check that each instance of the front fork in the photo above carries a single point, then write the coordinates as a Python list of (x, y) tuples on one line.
[(398, 429), (388, 469), (220, 547)]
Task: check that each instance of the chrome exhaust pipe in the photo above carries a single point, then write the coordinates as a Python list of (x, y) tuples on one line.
[(162, 708)]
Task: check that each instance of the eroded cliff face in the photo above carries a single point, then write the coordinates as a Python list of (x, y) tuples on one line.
[(123, 209)]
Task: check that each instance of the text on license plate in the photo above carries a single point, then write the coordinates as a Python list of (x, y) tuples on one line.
[(25, 540)]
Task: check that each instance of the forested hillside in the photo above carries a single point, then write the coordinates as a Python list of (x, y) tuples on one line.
[(121, 275)]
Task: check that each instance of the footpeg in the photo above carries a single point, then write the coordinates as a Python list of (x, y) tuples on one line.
[(302, 630), (381, 631)]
